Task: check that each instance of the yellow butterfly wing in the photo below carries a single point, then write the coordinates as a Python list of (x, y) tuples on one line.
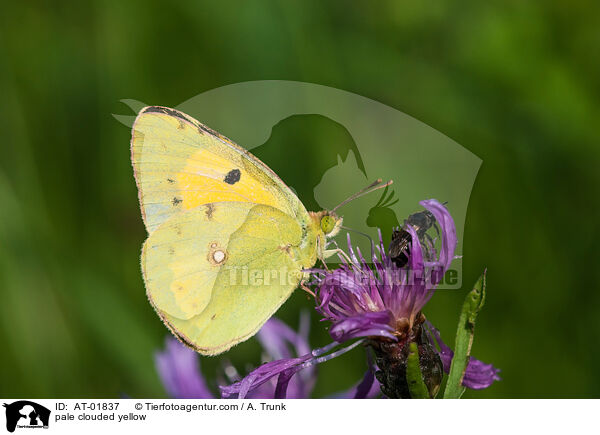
[(180, 164), (212, 209), (216, 273)]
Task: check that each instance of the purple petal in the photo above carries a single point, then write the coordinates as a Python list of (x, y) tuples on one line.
[(283, 383), (363, 325), (179, 371), (369, 387), (359, 390), (285, 369), (362, 389), (478, 375), (276, 338), (418, 293), (446, 223), (261, 375)]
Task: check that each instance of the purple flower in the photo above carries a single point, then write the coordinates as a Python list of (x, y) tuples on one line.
[(179, 367), (380, 305), (478, 375), (384, 300)]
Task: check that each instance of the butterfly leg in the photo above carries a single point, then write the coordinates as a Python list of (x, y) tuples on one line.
[(306, 288)]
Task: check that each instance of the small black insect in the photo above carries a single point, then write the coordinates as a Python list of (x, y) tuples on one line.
[(421, 222)]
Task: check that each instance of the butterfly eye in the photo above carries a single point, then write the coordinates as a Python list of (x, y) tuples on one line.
[(327, 224)]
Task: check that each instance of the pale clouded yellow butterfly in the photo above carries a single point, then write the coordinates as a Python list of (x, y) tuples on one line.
[(227, 240)]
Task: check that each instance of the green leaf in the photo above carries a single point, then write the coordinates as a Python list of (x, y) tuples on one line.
[(464, 339), (414, 377)]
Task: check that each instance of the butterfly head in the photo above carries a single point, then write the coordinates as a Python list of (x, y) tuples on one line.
[(330, 223), (327, 222)]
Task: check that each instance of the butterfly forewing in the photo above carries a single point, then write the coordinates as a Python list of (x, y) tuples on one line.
[(180, 164)]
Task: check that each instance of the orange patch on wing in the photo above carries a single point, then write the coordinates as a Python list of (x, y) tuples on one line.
[(202, 181)]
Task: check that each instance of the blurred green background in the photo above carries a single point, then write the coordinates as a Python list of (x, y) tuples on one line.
[(516, 83)]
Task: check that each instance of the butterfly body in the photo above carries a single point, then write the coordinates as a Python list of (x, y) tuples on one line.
[(228, 241)]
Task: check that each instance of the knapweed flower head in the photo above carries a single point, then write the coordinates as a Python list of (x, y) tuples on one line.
[(385, 300), (380, 305), (384, 303)]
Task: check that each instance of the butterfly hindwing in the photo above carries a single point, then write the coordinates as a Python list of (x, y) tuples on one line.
[(215, 280), (176, 258)]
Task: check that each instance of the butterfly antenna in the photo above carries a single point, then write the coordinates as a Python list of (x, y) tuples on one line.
[(370, 188)]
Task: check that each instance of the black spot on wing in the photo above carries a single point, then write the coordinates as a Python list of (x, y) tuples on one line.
[(170, 180), (176, 201), (233, 176)]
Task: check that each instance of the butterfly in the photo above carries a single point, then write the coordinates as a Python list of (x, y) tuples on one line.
[(228, 241)]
